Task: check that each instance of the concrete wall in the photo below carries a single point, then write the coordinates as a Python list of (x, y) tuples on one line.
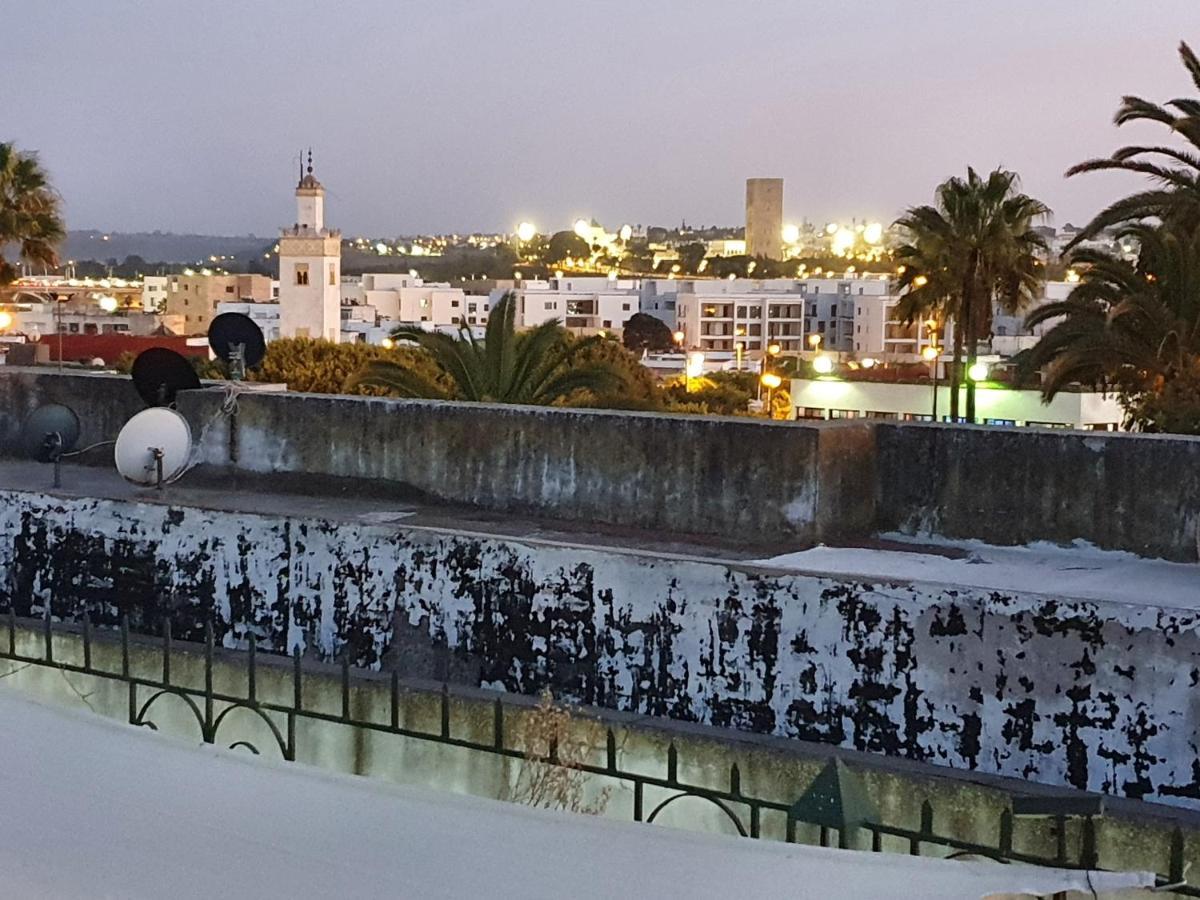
[(771, 769), (1121, 492), (1089, 695), (744, 480)]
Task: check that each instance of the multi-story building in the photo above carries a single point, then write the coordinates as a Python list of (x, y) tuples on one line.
[(407, 299), (720, 315), (583, 304), (764, 217), (194, 298), (154, 293)]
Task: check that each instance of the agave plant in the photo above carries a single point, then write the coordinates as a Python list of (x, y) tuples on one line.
[(539, 366)]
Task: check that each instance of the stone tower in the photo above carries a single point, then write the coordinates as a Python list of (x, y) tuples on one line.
[(310, 268), (764, 217)]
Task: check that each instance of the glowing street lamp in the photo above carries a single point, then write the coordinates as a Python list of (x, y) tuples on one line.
[(107, 303), (770, 381), (978, 371), (823, 365), (526, 231), (6, 320), (387, 343), (694, 368), (814, 341)]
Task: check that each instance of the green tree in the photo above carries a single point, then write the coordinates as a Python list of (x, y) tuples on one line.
[(638, 389), (1132, 326), (974, 248), (539, 366), (690, 256), (30, 212), (1174, 198), (646, 332), (566, 245)]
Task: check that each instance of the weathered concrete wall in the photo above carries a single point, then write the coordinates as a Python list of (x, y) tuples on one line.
[(103, 403), (1129, 837), (1098, 696), (1123, 492), (745, 480)]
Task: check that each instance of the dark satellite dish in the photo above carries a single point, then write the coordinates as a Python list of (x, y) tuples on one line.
[(49, 432), (159, 374), (239, 341)]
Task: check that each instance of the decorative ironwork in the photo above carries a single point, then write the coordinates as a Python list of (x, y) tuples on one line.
[(835, 798)]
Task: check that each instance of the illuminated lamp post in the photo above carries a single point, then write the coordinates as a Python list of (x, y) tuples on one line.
[(930, 355), (771, 381)]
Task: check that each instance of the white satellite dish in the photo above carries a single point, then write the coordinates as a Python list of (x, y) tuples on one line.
[(154, 447)]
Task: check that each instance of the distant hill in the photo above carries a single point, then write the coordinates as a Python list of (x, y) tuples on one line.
[(158, 246)]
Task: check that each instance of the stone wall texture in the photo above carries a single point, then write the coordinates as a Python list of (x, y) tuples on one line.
[(744, 480), (1060, 691)]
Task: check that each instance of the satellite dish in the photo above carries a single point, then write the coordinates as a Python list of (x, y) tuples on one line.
[(48, 433), (239, 341), (159, 374), (154, 447)]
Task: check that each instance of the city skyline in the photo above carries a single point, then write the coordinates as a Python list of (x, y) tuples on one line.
[(458, 119)]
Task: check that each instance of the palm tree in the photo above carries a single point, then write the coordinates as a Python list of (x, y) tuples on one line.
[(30, 215), (1135, 325), (538, 366), (974, 249), (1174, 200)]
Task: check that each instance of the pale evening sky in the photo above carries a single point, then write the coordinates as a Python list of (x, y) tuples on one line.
[(447, 115)]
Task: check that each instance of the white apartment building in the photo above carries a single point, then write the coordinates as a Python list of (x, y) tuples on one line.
[(264, 314), (406, 298), (154, 293), (583, 304)]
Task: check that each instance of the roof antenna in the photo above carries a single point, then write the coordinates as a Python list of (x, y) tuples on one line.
[(301, 161), (310, 160)]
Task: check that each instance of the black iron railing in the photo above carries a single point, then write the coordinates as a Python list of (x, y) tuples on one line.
[(744, 811)]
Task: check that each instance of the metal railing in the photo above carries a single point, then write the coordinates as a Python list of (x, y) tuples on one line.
[(743, 810)]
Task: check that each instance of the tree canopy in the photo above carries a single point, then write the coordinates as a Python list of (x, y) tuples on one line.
[(30, 212), (645, 332)]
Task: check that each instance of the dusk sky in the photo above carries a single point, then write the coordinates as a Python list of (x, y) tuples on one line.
[(454, 116)]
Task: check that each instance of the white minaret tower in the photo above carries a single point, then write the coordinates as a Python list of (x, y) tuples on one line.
[(310, 268)]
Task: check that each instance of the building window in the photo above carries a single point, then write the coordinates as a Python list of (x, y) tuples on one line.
[(454, 304), (302, 274), (844, 414), (332, 276), (229, 289), (551, 304), (624, 307), (810, 412)]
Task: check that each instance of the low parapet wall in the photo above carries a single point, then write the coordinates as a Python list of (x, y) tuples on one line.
[(1093, 695), (747, 481)]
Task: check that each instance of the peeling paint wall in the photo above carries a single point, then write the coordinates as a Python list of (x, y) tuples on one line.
[(1099, 696)]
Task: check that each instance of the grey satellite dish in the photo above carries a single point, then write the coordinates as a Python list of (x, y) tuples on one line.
[(49, 432), (154, 447)]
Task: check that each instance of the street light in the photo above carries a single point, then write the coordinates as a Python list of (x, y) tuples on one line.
[(978, 372), (930, 354), (107, 303), (770, 381), (6, 320), (823, 365), (693, 368), (387, 343), (814, 341), (526, 231)]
